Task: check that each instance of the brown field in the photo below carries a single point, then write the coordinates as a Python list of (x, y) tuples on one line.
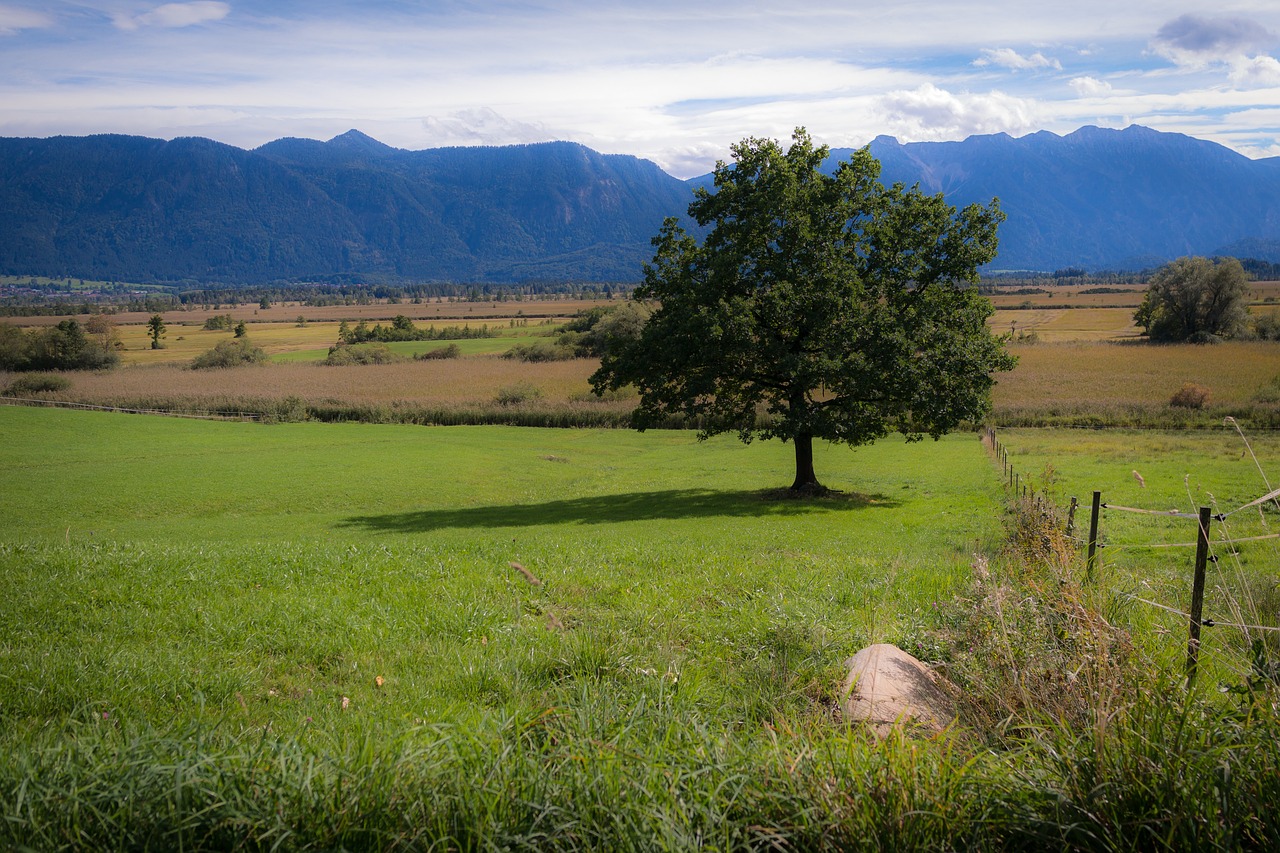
[(1128, 296), (1086, 362), (1084, 375), (1130, 383), (465, 381)]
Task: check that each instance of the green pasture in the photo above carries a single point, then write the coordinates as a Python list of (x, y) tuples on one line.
[(304, 636), (159, 567), (471, 346)]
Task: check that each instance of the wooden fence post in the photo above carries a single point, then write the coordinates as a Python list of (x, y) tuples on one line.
[(1071, 516), (1092, 558), (1197, 596)]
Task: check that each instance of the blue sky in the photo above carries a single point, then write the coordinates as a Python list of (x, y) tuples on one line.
[(675, 82)]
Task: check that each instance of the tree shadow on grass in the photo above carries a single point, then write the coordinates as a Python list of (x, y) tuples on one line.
[(607, 509)]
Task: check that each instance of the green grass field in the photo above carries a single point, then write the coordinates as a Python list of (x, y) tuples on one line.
[(316, 557), (310, 636)]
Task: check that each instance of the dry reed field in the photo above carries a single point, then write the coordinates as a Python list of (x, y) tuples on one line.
[(1081, 375), (449, 383)]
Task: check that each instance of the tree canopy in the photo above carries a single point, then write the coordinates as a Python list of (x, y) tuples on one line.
[(1196, 299), (835, 307)]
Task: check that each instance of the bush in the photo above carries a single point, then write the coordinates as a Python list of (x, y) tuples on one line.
[(1266, 327), (219, 323), (232, 353), (541, 351), (1190, 396), (36, 383), (368, 353), (521, 392), (450, 351)]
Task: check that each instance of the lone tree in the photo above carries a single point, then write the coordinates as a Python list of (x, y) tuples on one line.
[(156, 326), (841, 308), (1196, 299)]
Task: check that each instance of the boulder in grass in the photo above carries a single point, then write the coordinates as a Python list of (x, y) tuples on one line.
[(888, 687)]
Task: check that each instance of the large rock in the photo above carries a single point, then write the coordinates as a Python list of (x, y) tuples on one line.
[(888, 687)]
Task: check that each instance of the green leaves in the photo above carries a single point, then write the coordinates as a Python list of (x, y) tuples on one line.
[(1196, 299), (819, 305)]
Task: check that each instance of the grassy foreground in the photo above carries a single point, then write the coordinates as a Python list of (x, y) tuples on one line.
[(305, 636)]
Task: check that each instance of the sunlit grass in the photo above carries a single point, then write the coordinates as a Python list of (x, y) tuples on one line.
[(1056, 325), (259, 573)]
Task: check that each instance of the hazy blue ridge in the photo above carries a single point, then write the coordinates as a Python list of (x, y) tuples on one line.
[(136, 209)]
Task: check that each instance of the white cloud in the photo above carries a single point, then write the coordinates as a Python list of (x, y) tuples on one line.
[(1255, 72), (175, 15), (13, 19), (1090, 87), (480, 126), (928, 113), (1006, 57)]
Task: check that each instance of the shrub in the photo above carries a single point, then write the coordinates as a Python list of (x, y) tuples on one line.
[(232, 353), (1190, 396), (541, 351), (36, 383), (367, 353), (521, 392), (1266, 327), (450, 351), (219, 323)]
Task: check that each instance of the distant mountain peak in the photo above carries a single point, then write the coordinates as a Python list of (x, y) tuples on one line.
[(357, 141)]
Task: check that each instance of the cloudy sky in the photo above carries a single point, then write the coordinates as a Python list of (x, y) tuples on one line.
[(675, 81)]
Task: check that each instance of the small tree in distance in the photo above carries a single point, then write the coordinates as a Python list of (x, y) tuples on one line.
[(841, 308), (156, 325), (1197, 300)]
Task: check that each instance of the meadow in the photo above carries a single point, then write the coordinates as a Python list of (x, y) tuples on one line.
[(310, 636), (366, 634)]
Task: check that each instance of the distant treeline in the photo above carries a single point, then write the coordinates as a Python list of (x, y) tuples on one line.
[(56, 298)]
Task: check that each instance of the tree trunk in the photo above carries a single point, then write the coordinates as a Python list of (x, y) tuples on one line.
[(806, 480)]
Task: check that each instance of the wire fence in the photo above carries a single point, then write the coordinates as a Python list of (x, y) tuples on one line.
[(1216, 543)]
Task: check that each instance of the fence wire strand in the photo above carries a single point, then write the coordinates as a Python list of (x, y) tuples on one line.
[(1167, 513)]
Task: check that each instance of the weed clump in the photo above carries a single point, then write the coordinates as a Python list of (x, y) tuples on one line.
[(1190, 396), (520, 392)]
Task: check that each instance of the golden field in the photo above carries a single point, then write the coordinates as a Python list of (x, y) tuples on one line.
[(1074, 363)]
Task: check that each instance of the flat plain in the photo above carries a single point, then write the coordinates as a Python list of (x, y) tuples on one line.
[(305, 635)]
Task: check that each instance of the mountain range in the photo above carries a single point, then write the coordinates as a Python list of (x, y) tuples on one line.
[(125, 208)]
